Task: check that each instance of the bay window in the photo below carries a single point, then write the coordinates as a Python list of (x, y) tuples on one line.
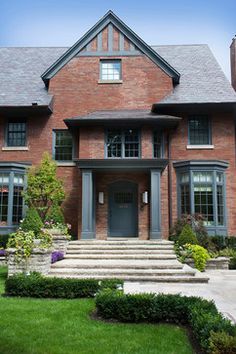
[(201, 190)]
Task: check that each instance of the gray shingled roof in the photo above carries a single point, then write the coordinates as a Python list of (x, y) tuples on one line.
[(202, 80)]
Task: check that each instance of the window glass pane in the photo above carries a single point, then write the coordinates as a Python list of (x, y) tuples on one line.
[(18, 179), (219, 177), (63, 145), (203, 199), (205, 177), (184, 177), (131, 141), (114, 143), (111, 70), (17, 204), (220, 205), (199, 130), (4, 191), (16, 134), (185, 199), (157, 143)]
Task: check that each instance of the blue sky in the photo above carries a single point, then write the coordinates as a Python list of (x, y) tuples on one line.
[(62, 22)]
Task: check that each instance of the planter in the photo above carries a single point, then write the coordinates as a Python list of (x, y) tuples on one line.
[(213, 263), (39, 261), (59, 240)]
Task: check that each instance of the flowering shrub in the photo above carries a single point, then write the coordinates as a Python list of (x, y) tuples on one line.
[(56, 256), (63, 228)]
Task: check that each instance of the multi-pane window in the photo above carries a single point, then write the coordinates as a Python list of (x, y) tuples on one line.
[(206, 190), (11, 188), (110, 70), (63, 145), (157, 144), (203, 196), (123, 143), (199, 130), (4, 193), (184, 194), (16, 134)]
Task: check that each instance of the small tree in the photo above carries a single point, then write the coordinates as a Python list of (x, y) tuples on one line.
[(32, 222), (44, 188), (55, 214)]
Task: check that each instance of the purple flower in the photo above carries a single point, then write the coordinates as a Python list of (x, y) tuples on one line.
[(56, 256), (2, 252)]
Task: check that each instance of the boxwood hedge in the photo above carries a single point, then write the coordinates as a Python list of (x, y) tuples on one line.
[(36, 285), (200, 315)]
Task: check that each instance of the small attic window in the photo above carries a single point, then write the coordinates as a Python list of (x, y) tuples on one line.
[(110, 70)]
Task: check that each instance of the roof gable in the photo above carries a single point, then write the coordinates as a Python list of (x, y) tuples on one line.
[(110, 19)]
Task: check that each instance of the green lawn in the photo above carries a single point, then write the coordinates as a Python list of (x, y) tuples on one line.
[(31, 326)]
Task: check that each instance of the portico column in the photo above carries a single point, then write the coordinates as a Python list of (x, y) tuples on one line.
[(155, 205), (88, 214)]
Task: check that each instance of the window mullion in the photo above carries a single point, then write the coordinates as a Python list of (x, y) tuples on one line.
[(123, 144)]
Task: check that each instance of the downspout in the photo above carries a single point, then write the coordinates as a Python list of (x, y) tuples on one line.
[(169, 180)]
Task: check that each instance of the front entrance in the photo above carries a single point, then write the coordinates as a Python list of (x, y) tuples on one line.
[(123, 209)]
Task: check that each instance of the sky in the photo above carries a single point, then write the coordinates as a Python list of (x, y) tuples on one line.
[(43, 23)]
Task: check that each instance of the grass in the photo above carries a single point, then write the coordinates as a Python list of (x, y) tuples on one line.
[(39, 326)]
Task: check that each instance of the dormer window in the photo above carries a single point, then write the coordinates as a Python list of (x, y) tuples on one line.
[(110, 70)]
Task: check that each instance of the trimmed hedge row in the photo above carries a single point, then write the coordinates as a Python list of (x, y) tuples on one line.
[(36, 285), (211, 330)]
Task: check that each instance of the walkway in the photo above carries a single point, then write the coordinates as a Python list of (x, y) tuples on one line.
[(221, 288)]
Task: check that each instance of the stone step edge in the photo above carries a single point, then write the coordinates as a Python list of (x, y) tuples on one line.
[(118, 256), (116, 271), (81, 266), (163, 279)]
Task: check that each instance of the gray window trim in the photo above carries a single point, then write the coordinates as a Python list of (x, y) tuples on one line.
[(109, 61), (54, 144), (209, 128), (12, 120), (215, 229), (122, 144)]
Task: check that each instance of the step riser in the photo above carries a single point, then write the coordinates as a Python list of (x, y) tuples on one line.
[(118, 274), (126, 252), (182, 279), (118, 249), (153, 267), (129, 242), (105, 256)]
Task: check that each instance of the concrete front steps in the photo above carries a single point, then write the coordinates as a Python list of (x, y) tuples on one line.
[(127, 259)]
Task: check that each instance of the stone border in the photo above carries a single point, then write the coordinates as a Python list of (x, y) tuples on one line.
[(213, 263), (39, 261)]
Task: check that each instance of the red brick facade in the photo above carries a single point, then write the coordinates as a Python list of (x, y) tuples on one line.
[(77, 91)]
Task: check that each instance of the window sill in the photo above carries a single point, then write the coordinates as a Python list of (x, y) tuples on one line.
[(65, 163), (200, 147), (15, 148), (110, 81)]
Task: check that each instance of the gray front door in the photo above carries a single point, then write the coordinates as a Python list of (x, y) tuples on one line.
[(123, 209)]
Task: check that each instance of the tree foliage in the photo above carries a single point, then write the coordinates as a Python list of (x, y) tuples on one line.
[(44, 188)]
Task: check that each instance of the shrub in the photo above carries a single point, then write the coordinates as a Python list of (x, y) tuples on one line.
[(230, 242), (200, 314), (32, 222), (24, 242), (56, 256), (196, 221), (232, 262), (36, 285), (3, 241), (222, 343), (55, 215), (187, 236), (200, 256)]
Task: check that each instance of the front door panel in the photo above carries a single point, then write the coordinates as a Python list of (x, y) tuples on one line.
[(123, 220)]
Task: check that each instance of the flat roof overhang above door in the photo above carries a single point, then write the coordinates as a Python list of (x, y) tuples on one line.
[(109, 164), (123, 117)]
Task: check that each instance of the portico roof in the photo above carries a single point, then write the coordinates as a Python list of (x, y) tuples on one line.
[(137, 117), (125, 164)]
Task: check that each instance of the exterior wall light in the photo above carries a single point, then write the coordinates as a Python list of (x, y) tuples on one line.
[(101, 197), (145, 197)]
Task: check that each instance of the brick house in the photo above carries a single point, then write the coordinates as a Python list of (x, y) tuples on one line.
[(140, 134)]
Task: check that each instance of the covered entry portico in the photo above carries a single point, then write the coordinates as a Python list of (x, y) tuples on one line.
[(122, 211)]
